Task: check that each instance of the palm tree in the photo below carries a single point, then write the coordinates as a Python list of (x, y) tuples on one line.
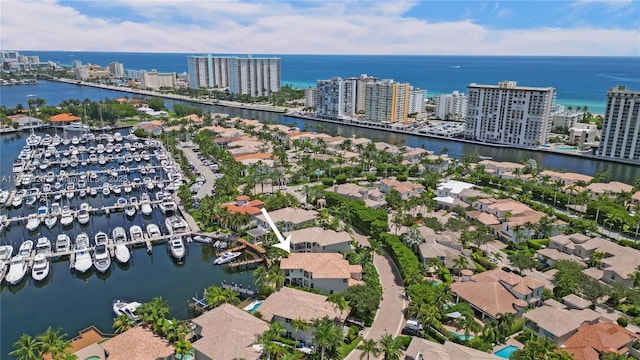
[(368, 347), (390, 347), (327, 335), (26, 348), (460, 263), (339, 302), (122, 323), (299, 324), (52, 342)]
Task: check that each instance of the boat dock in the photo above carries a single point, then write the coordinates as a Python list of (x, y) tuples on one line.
[(243, 291)]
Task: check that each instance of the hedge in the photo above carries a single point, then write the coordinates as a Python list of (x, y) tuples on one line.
[(406, 260)]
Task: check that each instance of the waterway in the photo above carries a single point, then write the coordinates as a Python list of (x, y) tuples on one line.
[(74, 301)]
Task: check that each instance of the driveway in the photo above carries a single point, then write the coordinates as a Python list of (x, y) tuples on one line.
[(390, 316)]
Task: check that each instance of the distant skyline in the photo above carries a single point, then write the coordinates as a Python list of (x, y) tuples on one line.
[(583, 27)]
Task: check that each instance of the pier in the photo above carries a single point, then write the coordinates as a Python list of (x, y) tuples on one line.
[(243, 291)]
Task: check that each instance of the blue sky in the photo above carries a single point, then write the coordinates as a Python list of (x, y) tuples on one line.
[(584, 27)]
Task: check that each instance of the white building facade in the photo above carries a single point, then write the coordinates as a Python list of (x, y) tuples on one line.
[(416, 100), (621, 127), (509, 114), (451, 106), (116, 68), (336, 98), (155, 80), (386, 101)]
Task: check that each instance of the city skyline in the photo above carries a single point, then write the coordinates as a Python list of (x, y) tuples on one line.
[(583, 27)]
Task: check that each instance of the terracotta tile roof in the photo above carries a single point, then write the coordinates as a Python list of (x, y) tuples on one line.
[(291, 215), (483, 218), (576, 301), (613, 187), (604, 336), (560, 321), (257, 156), (64, 118), (244, 209), (229, 333), (321, 265), (491, 298), (318, 235), (294, 304), (138, 343), (447, 351)]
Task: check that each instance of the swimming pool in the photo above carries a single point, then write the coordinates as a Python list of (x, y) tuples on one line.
[(462, 337), (253, 306), (506, 351), (566, 148)]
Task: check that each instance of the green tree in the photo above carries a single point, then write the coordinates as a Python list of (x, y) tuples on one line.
[(122, 323), (26, 348), (53, 342), (368, 347), (390, 347), (327, 336), (522, 261)]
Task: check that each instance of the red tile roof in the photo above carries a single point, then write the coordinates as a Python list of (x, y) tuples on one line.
[(601, 337), (64, 118)]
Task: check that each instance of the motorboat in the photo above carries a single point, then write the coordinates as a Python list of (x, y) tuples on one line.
[(101, 238), (93, 191), (126, 308), (101, 257), (121, 251), (202, 239), (18, 198), (43, 211), (83, 216), (4, 267), (55, 209), (126, 186), (135, 232), (25, 248), (226, 257), (106, 190), (40, 269), (176, 225), (119, 235), (121, 202), (5, 252), (145, 205), (70, 190), (50, 221), (66, 218), (4, 196), (63, 243), (117, 190), (77, 127), (33, 222), (153, 231), (176, 247), (17, 270), (43, 246), (83, 261), (130, 210)]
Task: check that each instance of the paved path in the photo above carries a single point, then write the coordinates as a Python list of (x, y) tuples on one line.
[(204, 171), (390, 316)]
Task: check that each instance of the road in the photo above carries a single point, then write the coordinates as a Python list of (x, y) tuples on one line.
[(204, 171), (390, 316)]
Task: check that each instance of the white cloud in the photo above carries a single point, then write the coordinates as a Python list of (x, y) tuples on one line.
[(323, 27)]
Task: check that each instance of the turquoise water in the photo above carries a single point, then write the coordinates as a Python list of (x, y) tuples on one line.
[(566, 148), (506, 351), (255, 307), (462, 337)]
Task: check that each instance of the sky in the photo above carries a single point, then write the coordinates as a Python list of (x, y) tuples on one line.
[(582, 27)]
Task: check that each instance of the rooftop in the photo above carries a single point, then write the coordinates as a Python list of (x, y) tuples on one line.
[(294, 304), (138, 343), (321, 265)]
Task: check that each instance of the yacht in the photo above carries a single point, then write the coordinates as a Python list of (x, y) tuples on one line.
[(43, 246), (66, 218), (5, 252), (176, 246), (119, 235), (135, 232), (51, 220), (18, 198), (33, 222), (17, 270), (153, 231), (121, 251), (102, 259), (168, 207), (40, 269), (176, 225), (226, 257), (63, 243), (4, 266), (31, 197), (25, 248), (83, 216), (130, 210), (126, 308), (83, 260), (145, 205), (76, 126)]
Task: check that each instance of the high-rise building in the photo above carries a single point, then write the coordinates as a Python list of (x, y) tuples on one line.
[(621, 127), (509, 114), (76, 63), (116, 68), (451, 106), (310, 97), (81, 72), (336, 98), (416, 100), (155, 80), (386, 101), (361, 91), (240, 75)]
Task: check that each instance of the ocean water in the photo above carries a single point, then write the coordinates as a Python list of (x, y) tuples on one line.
[(579, 81)]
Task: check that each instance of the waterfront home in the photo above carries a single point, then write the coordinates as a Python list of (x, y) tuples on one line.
[(318, 240), (591, 340), (566, 178), (262, 162), (288, 219), (405, 188), (557, 322), (443, 248), (288, 304), (248, 146), (26, 122), (448, 192), (373, 198), (435, 163), (63, 119), (469, 196), (618, 263), (138, 343), (414, 155), (227, 333), (327, 273), (611, 189), (149, 127), (383, 146), (634, 203), (502, 169), (494, 292), (420, 349)]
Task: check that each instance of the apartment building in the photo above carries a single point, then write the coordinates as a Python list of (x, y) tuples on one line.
[(416, 100), (310, 97), (451, 106), (509, 114), (116, 68), (155, 80), (336, 98), (386, 101), (621, 128)]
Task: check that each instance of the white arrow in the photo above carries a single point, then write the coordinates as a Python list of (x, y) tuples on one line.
[(284, 244)]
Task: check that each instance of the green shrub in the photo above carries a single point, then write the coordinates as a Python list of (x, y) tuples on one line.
[(327, 181), (404, 341), (623, 321), (341, 179), (402, 177), (372, 178)]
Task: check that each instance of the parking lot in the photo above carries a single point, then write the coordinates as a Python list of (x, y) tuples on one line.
[(206, 171)]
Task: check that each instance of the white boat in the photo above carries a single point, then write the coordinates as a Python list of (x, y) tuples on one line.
[(76, 126), (18, 198), (101, 238), (63, 243), (176, 225), (43, 246), (17, 270), (119, 235), (70, 190), (136, 234), (40, 269), (4, 196), (226, 257), (93, 191), (145, 205), (130, 210), (83, 216), (126, 308), (25, 248), (176, 246), (153, 231), (5, 252), (121, 202), (126, 186), (33, 222), (121, 251), (202, 239), (106, 189), (4, 267), (83, 261), (50, 221), (102, 259), (66, 218)]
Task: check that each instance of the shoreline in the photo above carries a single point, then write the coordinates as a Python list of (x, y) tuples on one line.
[(359, 124)]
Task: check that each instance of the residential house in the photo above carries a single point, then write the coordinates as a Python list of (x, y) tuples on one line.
[(288, 219), (244, 205), (373, 198), (405, 188), (611, 189), (558, 323), (227, 333), (447, 193), (591, 340), (288, 304), (494, 292), (470, 196), (566, 178), (414, 155), (319, 240), (326, 272), (423, 349), (502, 169), (138, 343), (441, 247)]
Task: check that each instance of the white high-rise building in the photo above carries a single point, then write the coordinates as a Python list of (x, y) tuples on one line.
[(116, 68), (386, 101), (336, 98), (155, 80), (451, 106), (621, 127), (310, 97), (81, 72), (509, 114), (361, 91), (416, 100), (240, 75)]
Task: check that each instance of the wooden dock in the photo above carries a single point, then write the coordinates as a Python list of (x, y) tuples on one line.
[(239, 288), (245, 264)]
